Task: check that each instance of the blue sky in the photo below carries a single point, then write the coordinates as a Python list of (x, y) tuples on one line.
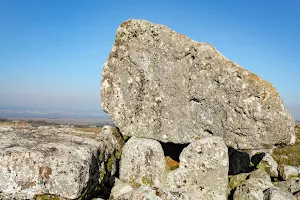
[(52, 52)]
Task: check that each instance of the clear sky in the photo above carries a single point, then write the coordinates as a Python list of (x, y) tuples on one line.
[(52, 51)]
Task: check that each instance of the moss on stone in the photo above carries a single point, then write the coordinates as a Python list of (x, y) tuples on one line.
[(125, 137), (109, 164), (118, 154), (46, 197), (236, 180), (111, 197), (147, 180), (101, 175)]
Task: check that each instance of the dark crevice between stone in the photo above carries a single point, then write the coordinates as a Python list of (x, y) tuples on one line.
[(257, 158), (239, 162), (173, 150), (195, 100)]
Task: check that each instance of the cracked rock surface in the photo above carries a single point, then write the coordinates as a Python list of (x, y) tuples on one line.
[(60, 161), (162, 85)]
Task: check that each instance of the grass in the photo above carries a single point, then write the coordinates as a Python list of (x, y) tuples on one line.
[(90, 129), (14, 123), (289, 155)]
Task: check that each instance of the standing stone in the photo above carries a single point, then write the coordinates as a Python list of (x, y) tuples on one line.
[(162, 85), (143, 163), (203, 170)]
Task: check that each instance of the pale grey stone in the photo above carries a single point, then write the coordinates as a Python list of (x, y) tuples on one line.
[(269, 165), (276, 194), (287, 172), (252, 189), (162, 85), (260, 174), (55, 161), (297, 195), (124, 191), (143, 162), (203, 170), (120, 188), (5, 128), (292, 185)]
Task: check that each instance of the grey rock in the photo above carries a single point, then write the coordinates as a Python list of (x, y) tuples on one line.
[(287, 172), (124, 191), (120, 188), (55, 161), (292, 185), (260, 174), (203, 170), (143, 162), (236, 180), (269, 165), (252, 189), (276, 194), (162, 85), (297, 195)]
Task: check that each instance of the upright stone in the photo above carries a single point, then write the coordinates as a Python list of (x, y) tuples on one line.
[(203, 170), (143, 163), (162, 85)]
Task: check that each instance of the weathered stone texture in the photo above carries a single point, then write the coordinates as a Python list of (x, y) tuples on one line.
[(48, 160), (203, 170), (143, 163), (162, 85)]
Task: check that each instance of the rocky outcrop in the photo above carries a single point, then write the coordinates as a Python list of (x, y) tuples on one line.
[(202, 172), (162, 85), (62, 162)]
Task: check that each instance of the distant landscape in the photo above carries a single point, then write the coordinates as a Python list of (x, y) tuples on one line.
[(56, 116)]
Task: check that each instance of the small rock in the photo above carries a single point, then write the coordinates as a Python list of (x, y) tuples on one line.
[(119, 189), (287, 172), (143, 162), (5, 128), (269, 165), (260, 174), (297, 195), (276, 194), (251, 189)]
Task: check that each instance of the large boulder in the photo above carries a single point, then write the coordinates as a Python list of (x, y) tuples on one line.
[(203, 170), (162, 85), (58, 162)]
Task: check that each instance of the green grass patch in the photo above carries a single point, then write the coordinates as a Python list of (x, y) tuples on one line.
[(289, 155)]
